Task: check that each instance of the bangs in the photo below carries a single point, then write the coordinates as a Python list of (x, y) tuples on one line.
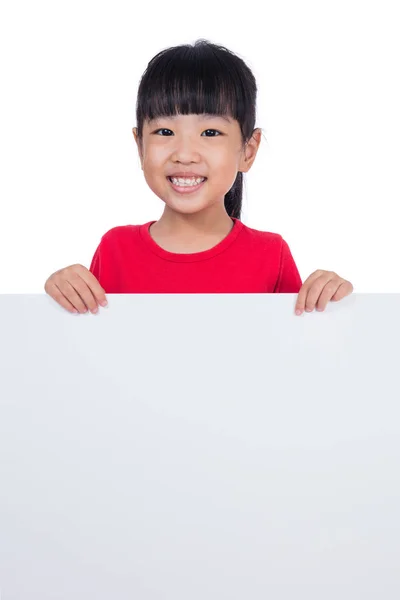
[(191, 80)]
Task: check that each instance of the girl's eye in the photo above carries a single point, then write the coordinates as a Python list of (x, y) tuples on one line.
[(216, 130)]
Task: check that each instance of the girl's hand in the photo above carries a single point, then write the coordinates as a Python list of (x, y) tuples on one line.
[(319, 288), (76, 289)]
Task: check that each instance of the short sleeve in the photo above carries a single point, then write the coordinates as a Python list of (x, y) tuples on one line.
[(289, 280)]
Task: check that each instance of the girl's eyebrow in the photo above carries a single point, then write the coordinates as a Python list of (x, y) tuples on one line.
[(206, 116)]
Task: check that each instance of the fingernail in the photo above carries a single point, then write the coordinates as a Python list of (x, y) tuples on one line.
[(298, 312), (104, 303)]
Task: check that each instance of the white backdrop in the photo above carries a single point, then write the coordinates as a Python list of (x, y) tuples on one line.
[(326, 174), (230, 450)]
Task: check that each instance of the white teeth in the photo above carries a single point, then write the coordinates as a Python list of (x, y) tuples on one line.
[(190, 181)]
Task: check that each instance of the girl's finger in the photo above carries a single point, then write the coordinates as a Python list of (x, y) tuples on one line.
[(344, 289), (323, 288), (326, 295), (303, 292), (313, 287)]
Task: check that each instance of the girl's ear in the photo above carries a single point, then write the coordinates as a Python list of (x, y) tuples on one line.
[(135, 135), (250, 151)]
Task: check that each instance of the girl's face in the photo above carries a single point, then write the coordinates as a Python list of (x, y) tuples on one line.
[(210, 146)]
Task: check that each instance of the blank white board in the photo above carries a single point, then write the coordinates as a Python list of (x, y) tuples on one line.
[(193, 447)]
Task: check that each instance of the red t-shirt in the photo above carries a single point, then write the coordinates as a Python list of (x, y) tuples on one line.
[(129, 261)]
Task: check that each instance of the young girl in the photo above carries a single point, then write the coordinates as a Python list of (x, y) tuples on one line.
[(195, 134)]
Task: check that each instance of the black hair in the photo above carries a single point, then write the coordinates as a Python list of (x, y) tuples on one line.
[(203, 78)]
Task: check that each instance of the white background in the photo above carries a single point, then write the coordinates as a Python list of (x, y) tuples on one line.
[(327, 172)]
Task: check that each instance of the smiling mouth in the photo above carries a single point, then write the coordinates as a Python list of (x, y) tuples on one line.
[(170, 179), (186, 189)]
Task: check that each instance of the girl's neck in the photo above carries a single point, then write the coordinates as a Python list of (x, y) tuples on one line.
[(186, 227), (189, 237)]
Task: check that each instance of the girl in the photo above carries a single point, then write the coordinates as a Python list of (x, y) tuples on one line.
[(195, 135)]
